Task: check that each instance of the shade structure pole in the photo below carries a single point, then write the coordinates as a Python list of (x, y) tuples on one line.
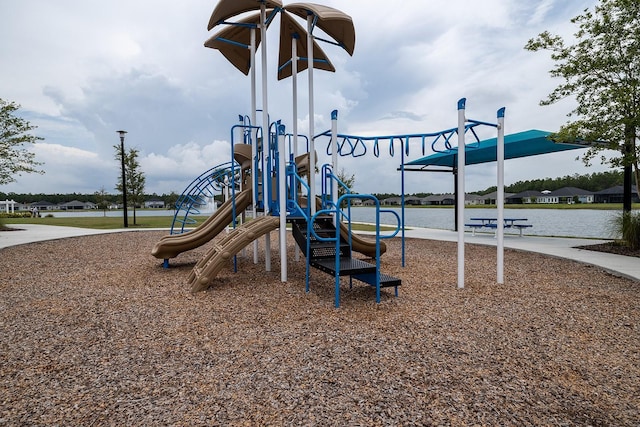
[(460, 190), (265, 130), (334, 161), (312, 148), (254, 141), (500, 197), (282, 202), (294, 92)]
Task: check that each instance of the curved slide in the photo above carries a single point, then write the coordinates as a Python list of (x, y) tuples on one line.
[(360, 245), (173, 245), (364, 246), (221, 252)]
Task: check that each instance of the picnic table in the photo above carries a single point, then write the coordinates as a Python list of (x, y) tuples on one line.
[(490, 222)]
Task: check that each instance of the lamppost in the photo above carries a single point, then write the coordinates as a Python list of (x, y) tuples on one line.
[(124, 178)]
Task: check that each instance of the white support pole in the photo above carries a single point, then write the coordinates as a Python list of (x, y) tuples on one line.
[(460, 190), (500, 197), (254, 141), (265, 129), (294, 90), (312, 149), (282, 203), (226, 198)]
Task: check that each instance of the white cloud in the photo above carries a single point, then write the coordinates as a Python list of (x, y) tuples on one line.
[(93, 68)]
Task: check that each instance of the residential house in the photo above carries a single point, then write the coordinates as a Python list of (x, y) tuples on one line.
[(490, 198), (412, 200), (569, 195), (154, 204), (391, 201), (524, 197), (43, 206), (615, 195), (8, 206), (439, 199), (473, 199), (77, 205)]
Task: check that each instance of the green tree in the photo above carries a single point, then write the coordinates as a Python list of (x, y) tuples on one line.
[(102, 200), (171, 200), (15, 158), (602, 70), (135, 179), (347, 180)]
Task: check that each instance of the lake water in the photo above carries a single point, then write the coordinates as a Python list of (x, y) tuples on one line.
[(546, 222)]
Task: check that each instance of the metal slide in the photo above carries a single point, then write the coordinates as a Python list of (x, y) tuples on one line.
[(173, 245)]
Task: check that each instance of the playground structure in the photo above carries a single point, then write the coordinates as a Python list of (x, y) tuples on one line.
[(321, 237), (324, 236), (268, 177)]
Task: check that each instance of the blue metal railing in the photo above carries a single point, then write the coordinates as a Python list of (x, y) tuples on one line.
[(339, 215)]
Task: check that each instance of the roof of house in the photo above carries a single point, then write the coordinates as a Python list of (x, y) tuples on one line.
[(438, 197), (494, 194), (617, 189), (570, 191), (526, 193)]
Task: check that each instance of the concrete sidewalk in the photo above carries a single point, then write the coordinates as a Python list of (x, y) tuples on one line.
[(560, 247), (29, 233), (555, 246)]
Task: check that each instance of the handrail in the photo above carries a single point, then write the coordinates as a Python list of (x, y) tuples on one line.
[(328, 175), (293, 205), (336, 239)]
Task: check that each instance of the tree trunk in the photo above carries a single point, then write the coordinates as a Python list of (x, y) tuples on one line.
[(637, 174), (627, 161)]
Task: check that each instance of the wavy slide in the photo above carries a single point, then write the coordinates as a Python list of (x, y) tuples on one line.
[(360, 245), (364, 246), (222, 251), (173, 245)]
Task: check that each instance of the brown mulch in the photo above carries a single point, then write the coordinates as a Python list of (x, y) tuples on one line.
[(95, 332), (613, 248)]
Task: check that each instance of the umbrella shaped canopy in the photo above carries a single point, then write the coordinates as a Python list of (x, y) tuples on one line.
[(226, 9), (233, 42), (521, 144), (289, 28), (334, 22)]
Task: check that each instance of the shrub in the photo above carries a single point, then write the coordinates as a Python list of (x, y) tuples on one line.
[(627, 225), (15, 215)]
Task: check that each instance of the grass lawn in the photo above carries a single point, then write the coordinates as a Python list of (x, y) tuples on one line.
[(106, 223), (103, 223), (596, 206)]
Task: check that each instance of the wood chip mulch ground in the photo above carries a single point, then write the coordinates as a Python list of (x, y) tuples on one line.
[(95, 332), (612, 248)]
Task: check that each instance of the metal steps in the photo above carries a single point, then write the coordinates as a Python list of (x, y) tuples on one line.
[(322, 255)]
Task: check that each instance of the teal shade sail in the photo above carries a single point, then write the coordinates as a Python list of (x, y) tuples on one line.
[(521, 144)]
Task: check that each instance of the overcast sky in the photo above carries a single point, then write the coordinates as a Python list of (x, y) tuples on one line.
[(81, 70)]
